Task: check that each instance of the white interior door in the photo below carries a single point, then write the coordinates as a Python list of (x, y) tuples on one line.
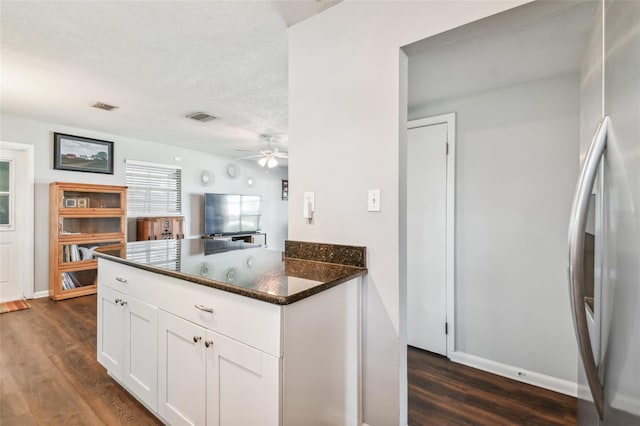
[(426, 237), (14, 232)]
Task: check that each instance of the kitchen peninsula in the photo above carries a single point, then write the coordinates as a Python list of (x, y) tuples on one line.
[(227, 333)]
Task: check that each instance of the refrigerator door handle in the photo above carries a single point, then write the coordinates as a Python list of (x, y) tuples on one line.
[(577, 227)]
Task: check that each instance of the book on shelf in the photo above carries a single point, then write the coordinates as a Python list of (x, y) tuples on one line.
[(75, 256), (69, 281), (67, 284), (74, 253)]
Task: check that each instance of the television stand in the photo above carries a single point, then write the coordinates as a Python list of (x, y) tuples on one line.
[(252, 238)]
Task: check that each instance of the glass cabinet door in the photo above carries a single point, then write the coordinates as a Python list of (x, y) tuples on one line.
[(91, 200), (90, 225)]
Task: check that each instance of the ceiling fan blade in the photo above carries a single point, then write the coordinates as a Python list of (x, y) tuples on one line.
[(249, 157), (246, 150), (281, 154)]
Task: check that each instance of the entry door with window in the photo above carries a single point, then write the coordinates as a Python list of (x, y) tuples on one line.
[(13, 232)]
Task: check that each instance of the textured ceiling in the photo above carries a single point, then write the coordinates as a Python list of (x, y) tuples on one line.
[(531, 42), (157, 61)]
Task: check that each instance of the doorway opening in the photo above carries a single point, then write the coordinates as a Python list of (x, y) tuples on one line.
[(514, 82)]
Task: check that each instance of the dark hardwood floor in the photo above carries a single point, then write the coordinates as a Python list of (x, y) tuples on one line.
[(442, 392), (49, 374)]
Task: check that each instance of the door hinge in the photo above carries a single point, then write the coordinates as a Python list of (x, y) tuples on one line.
[(446, 149), (446, 328)]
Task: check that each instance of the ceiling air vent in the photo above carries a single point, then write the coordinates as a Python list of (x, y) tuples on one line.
[(201, 116), (106, 107)]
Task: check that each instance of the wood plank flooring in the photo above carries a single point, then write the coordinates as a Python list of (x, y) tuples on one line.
[(442, 392), (49, 374)]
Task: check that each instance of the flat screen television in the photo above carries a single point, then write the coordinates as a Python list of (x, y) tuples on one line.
[(228, 214)]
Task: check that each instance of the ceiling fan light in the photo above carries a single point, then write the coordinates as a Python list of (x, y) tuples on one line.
[(272, 162), (262, 161)]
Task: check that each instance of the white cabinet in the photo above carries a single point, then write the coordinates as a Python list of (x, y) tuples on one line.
[(181, 371), (196, 355), (206, 378), (110, 328), (243, 386), (128, 343), (141, 350)]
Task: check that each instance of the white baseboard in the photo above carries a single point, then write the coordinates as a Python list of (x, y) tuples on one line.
[(626, 404), (530, 377), (40, 294)]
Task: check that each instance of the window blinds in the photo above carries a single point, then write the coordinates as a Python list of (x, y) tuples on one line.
[(153, 189), (164, 254)]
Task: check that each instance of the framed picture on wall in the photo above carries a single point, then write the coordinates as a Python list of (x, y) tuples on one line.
[(285, 189), (80, 154)]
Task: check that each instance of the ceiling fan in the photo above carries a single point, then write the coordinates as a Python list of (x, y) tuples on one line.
[(268, 158)]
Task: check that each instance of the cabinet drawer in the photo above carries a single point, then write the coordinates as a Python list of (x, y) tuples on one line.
[(132, 281), (247, 320)]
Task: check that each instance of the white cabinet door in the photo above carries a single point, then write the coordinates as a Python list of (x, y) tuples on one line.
[(140, 373), (128, 343), (243, 386), (181, 371), (110, 328)]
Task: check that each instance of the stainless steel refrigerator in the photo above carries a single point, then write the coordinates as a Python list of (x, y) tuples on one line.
[(604, 230)]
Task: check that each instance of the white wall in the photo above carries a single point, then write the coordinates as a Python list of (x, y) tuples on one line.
[(345, 131), (516, 168), (40, 134)]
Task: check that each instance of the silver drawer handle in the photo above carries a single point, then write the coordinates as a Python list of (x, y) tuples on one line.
[(204, 308), (122, 280)]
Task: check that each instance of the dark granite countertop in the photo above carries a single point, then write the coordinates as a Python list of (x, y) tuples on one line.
[(246, 269)]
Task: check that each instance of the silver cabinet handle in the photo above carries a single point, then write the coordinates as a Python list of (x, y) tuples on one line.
[(208, 343), (122, 280), (577, 227), (196, 339), (204, 308), (117, 301)]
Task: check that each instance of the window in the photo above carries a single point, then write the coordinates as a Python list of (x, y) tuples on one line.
[(164, 254), (7, 192), (153, 189)]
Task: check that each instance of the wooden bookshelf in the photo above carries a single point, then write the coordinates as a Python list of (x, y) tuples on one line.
[(82, 217)]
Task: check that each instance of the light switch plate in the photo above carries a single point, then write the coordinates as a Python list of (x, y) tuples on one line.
[(309, 205), (373, 203)]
